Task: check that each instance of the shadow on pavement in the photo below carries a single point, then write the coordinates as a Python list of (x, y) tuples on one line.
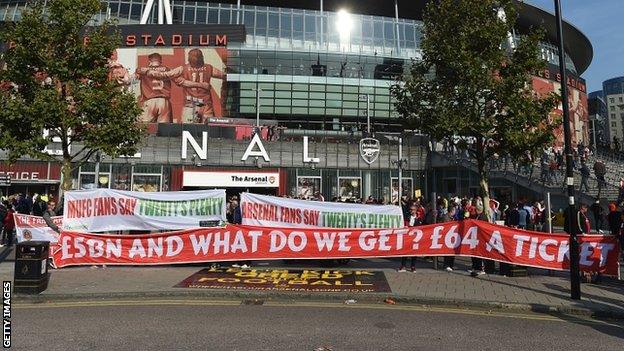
[(4, 255), (605, 326), (594, 298), (599, 303)]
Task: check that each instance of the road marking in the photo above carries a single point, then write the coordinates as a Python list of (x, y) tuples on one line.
[(408, 308), (113, 303)]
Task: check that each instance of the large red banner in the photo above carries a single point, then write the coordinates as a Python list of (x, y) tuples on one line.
[(231, 243)]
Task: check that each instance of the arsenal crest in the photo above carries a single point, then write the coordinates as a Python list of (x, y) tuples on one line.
[(369, 149)]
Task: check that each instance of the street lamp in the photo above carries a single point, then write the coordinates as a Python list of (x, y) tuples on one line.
[(575, 278)]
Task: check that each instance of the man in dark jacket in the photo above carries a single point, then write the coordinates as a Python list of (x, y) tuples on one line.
[(584, 177), (600, 170), (598, 214), (513, 220), (39, 206), (22, 206), (614, 218), (578, 219)]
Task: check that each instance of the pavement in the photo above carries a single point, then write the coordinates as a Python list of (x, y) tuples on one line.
[(183, 324), (542, 291)]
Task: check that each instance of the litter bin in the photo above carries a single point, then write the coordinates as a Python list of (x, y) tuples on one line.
[(31, 267)]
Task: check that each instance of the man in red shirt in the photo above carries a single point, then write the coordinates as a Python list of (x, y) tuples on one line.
[(155, 91)]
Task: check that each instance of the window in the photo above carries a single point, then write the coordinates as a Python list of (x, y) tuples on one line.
[(213, 15), (307, 187), (121, 177), (310, 27), (135, 12), (621, 99), (349, 187), (613, 124), (613, 115), (200, 14), (611, 100), (297, 26), (145, 183), (273, 24), (285, 25), (261, 22), (146, 178), (612, 108), (249, 20), (225, 16), (189, 14), (87, 177)]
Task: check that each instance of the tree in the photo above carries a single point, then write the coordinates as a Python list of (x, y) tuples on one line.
[(56, 79), (470, 84)]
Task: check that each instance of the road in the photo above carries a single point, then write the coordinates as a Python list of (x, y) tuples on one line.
[(232, 325)]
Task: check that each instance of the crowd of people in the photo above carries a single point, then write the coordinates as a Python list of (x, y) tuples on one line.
[(36, 205), (525, 214), (551, 165), (417, 211)]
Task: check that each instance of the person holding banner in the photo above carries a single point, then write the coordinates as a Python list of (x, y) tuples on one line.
[(415, 219), (3, 212), (449, 261), (478, 262), (9, 225), (48, 214)]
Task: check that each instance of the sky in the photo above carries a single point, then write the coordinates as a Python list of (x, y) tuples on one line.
[(602, 21)]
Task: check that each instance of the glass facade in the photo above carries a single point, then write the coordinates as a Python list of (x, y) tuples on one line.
[(613, 86), (124, 176), (352, 184), (305, 69), (308, 78)]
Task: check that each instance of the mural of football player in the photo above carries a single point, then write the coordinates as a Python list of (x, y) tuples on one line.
[(195, 77), (155, 91), (118, 73), (578, 117)]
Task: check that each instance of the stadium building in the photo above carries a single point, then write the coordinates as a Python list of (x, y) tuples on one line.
[(312, 76)]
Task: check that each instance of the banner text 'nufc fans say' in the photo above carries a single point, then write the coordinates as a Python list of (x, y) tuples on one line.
[(108, 210), (464, 238)]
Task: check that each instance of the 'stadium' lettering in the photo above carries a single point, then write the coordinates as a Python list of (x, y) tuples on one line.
[(191, 208)]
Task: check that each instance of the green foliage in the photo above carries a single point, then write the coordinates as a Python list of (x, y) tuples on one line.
[(53, 79), (469, 84)]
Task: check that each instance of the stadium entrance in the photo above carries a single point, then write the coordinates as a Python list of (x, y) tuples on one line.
[(234, 181)]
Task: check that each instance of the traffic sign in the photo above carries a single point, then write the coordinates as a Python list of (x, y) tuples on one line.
[(5, 180)]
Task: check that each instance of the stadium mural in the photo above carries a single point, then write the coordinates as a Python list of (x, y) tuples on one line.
[(549, 81), (174, 85)]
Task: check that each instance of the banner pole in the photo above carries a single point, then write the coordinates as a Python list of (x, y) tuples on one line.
[(548, 213), (400, 178)]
